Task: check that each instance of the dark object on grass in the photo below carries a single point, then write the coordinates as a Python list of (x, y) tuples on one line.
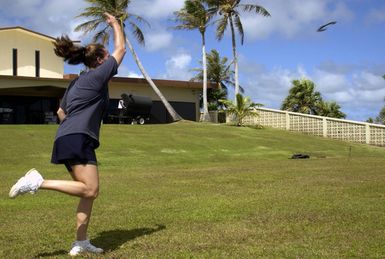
[(323, 27), (300, 156)]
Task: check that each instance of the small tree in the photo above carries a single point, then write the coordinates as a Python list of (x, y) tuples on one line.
[(370, 120), (241, 108), (218, 72)]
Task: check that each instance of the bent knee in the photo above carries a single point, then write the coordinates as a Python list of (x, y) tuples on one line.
[(92, 193)]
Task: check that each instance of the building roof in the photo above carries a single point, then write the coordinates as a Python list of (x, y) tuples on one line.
[(136, 81), (31, 32), (158, 82)]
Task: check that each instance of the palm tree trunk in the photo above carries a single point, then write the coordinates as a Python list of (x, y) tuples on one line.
[(206, 115), (175, 116), (235, 58)]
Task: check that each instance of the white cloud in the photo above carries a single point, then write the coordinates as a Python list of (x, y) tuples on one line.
[(332, 67), (156, 8), (368, 81), (49, 17), (293, 18), (360, 93), (329, 82), (124, 71), (340, 97), (177, 67), (180, 61), (158, 40), (271, 87), (134, 75)]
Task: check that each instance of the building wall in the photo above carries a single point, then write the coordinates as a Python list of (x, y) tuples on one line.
[(26, 44), (185, 100), (172, 94)]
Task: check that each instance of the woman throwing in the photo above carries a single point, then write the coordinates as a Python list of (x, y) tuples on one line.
[(80, 113)]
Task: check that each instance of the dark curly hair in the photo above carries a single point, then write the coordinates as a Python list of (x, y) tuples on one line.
[(76, 54)]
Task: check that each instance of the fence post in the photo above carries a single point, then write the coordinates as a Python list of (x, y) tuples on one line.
[(324, 127), (367, 133), (287, 121)]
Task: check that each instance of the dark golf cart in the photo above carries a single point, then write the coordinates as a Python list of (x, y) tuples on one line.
[(132, 109)]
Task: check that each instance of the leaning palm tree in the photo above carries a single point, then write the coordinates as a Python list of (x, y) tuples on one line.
[(195, 16), (118, 8), (231, 15)]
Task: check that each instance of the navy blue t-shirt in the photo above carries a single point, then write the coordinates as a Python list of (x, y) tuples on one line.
[(86, 101)]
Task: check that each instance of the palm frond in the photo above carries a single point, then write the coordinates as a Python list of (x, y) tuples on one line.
[(193, 15), (93, 11), (258, 9), (139, 19), (187, 21), (102, 36), (238, 25), (89, 25), (221, 27), (138, 34)]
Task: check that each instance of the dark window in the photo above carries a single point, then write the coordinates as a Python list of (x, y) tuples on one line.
[(14, 59), (37, 63), (27, 110)]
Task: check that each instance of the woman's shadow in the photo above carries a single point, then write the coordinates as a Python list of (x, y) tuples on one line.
[(112, 239)]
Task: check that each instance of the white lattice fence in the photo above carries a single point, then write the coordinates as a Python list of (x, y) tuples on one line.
[(308, 125), (346, 130)]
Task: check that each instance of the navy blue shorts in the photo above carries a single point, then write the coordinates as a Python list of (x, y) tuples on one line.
[(74, 149)]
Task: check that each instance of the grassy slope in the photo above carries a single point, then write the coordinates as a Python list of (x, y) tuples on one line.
[(200, 190)]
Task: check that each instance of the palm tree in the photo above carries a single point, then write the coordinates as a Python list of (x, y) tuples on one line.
[(118, 8), (230, 12), (331, 109), (241, 108), (303, 98), (195, 16), (219, 73)]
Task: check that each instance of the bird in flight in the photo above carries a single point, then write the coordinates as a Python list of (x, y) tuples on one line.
[(323, 27)]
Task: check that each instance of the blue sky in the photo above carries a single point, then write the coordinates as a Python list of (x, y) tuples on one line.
[(346, 61)]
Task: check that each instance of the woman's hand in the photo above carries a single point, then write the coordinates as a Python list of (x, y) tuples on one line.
[(110, 19)]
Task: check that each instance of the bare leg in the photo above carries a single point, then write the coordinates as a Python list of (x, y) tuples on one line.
[(85, 186), (87, 174), (74, 188)]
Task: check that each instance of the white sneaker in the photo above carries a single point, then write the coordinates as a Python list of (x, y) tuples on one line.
[(79, 247), (28, 183)]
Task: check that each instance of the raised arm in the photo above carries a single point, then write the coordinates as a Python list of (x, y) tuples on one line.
[(119, 43)]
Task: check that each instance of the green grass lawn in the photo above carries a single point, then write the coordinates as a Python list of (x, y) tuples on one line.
[(190, 190)]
